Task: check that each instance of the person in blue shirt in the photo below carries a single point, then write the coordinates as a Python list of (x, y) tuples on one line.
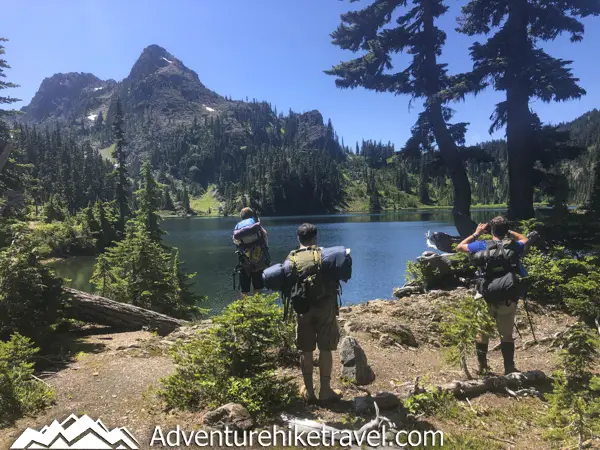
[(502, 312)]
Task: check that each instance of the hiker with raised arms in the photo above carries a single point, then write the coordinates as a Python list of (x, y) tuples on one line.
[(499, 261)]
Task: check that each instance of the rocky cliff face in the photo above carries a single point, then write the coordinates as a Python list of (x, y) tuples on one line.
[(65, 97)]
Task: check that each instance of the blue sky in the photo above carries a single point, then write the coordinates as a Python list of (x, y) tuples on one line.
[(274, 50)]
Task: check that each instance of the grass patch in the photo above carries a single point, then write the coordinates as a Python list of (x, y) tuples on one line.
[(106, 153), (207, 201)]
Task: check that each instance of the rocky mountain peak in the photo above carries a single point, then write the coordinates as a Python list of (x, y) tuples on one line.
[(155, 59), (61, 94)]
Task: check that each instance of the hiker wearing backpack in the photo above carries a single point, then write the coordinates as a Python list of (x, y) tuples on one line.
[(499, 261), (314, 298), (251, 240)]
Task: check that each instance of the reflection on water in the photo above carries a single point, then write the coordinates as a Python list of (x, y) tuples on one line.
[(381, 244)]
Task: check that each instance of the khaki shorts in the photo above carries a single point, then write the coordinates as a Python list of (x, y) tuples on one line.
[(505, 320), (318, 327)]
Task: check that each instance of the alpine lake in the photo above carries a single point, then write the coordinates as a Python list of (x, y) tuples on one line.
[(380, 244)]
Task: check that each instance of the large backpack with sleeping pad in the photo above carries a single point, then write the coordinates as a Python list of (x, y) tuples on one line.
[(310, 287), (252, 249), (499, 264)]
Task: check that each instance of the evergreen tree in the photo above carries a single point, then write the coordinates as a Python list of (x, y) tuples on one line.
[(5, 84), (139, 269), (574, 404), (512, 61), (594, 199), (423, 188), (148, 203), (167, 201), (185, 199), (374, 202), (5, 148), (367, 30), (120, 156)]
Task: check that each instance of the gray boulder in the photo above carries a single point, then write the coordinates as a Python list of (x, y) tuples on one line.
[(354, 363), (232, 415)]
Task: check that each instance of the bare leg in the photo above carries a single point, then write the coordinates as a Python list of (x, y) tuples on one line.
[(325, 367), (306, 364)]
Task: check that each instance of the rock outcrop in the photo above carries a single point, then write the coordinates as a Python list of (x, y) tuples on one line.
[(232, 415), (355, 368)]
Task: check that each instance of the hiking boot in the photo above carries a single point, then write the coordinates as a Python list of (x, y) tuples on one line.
[(329, 396), (481, 351), (509, 370), (508, 353), (309, 398), (484, 372)]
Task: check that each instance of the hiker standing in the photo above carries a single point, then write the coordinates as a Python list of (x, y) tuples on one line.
[(252, 244), (499, 260), (314, 298)]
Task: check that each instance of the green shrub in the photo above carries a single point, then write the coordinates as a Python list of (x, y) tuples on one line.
[(465, 321), (30, 293), (564, 279), (544, 277), (20, 393), (234, 361), (60, 239), (429, 402), (574, 405)]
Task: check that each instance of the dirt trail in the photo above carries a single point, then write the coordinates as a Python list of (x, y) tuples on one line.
[(115, 375)]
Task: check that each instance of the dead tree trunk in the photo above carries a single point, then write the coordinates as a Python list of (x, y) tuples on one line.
[(498, 384), (95, 309)]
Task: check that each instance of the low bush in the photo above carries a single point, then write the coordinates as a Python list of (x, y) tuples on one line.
[(574, 412), (234, 361), (464, 322), (430, 402), (20, 393), (60, 239)]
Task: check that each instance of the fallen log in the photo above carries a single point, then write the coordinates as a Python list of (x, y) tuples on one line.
[(498, 384), (95, 309)]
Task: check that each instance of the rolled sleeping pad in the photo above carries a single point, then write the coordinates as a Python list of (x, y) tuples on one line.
[(274, 277), (247, 231), (337, 263)]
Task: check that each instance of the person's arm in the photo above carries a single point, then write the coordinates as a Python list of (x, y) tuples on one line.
[(266, 236), (464, 245), (524, 240)]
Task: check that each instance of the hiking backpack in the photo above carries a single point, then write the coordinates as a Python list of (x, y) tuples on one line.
[(252, 249), (310, 287), (500, 264)]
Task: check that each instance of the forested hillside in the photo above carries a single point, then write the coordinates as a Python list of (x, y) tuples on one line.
[(240, 153)]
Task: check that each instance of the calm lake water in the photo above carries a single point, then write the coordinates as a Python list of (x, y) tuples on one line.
[(380, 244)]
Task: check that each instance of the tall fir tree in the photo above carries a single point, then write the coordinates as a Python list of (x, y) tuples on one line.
[(368, 30), (148, 199), (512, 61), (120, 156), (5, 100)]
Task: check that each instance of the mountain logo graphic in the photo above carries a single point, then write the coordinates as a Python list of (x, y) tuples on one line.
[(76, 433)]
